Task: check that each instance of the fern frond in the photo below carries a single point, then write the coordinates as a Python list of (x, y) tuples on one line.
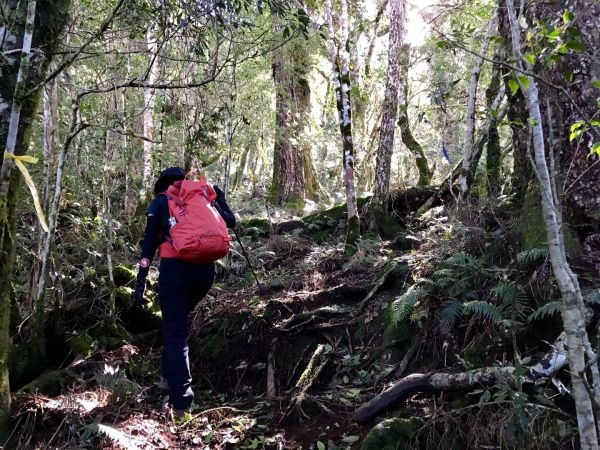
[(544, 311), (487, 310), (449, 314), (591, 296), (513, 298), (403, 306), (531, 256)]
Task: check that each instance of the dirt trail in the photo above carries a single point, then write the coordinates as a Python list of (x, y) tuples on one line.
[(257, 382)]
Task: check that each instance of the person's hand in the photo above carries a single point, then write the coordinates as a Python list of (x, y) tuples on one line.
[(219, 192), (138, 294)]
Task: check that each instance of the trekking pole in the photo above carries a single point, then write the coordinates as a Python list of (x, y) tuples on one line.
[(260, 288)]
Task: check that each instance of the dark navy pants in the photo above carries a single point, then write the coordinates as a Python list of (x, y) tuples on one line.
[(181, 286)]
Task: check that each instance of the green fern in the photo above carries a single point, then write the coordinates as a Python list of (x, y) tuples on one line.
[(513, 300), (544, 311), (403, 306), (531, 256), (450, 312), (591, 296), (485, 309)]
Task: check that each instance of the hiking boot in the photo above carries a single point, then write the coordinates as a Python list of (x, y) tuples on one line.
[(163, 384)]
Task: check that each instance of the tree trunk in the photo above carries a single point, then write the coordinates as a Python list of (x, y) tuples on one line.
[(572, 310), (389, 114), (493, 152), (51, 18), (341, 78), (289, 182), (517, 118), (241, 169), (149, 106), (425, 174), (471, 106)]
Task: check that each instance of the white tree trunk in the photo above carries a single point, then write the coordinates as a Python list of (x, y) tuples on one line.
[(149, 103), (50, 137), (572, 308), (472, 102), (15, 114), (340, 59)]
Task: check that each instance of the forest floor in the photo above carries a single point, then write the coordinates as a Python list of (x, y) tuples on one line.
[(285, 368), (248, 352)]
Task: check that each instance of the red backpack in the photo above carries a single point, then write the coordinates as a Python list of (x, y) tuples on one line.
[(198, 232)]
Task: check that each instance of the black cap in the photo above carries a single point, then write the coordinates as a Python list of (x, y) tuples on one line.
[(167, 177)]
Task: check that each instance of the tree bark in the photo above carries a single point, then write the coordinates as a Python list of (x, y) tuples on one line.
[(471, 106), (149, 106), (425, 174), (522, 174), (572, 310), (493, 151), (289, 182), (390, 110), (51, 18), (341, 78)]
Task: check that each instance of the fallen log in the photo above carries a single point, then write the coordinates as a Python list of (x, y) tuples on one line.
[(418, 383)]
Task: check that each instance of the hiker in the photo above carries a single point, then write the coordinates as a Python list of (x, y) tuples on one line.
[(183, 281)]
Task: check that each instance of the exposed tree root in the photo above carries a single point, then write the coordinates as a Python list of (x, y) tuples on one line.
[(314, 367), (300, 320), (395, 267)]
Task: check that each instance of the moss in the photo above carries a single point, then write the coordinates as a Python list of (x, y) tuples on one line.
[(255, 226), (398, 334), (123, 296), (294, 204), (531, 232), (352, 235), (393, 434), (82, 345), (477, 351), (330, 217), (49, 383), (124, 276)]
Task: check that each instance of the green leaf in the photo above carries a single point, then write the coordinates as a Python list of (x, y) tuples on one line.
[(569, 76), (596, 148), (577, 125), (530, 58), (595, 123), (596, 83), (567, 16), (576, 46), (320, 445), (513, 85), (350, 439), (575, 134), (524, 80)]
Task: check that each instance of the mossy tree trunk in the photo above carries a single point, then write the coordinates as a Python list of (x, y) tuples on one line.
[(425, 173), (50, 19), (493, 153)]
